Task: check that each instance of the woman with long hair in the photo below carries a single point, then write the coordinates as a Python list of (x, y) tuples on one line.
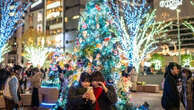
[(187, 89), (105, 94), (81, 97), (36, 84)]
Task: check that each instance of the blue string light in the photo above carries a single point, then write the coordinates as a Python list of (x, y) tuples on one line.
[(133, 13), (11, 18)]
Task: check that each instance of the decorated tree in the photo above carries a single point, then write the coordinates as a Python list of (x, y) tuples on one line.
[(6, 49), (188, 25), (157, 61), (97, 46), (186, 60), (137, 28), (11, 18), (192, 3), (35, 50), (128, 18)]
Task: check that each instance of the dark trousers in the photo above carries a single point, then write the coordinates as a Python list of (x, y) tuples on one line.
[(35, 97), (10, 104)]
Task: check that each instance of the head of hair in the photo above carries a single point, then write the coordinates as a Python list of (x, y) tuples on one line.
[(172, 65), (16, 68), (97, 76), (129, 69), (35, 70), (187, 72), (84, 77), (124, 74), (66, 65)]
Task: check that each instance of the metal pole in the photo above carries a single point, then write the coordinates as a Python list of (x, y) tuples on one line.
[(179, 40), (64, 24)]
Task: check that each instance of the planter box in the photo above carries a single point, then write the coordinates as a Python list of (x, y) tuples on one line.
[(153, 88), (140, 88), (49, 95)]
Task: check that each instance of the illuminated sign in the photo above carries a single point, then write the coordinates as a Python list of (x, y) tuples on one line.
[(54, 5), (36, 3), (56, 26), (53, 14), (171, 4)]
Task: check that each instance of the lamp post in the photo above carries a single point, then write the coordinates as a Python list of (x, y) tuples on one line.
[(179, 39), (173, 4)]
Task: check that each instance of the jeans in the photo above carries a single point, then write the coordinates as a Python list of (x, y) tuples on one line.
[(10, 104)]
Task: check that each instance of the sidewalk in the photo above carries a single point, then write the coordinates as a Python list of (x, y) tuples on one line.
[(153, 99)]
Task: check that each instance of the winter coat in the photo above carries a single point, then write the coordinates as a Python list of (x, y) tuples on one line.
[(171, 96), (188, 93), (75, 100), (107, 100)]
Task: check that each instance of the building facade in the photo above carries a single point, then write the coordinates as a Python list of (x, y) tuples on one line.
[(167, 11), (62, 17)]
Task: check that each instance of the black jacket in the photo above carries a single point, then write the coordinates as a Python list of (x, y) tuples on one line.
[(75, 100), (108, 100), (171, 97)]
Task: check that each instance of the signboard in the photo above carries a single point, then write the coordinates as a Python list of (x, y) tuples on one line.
[(171, 4), (166, 9), (36, 3)]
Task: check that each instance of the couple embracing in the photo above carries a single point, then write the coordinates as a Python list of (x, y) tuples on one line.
[(92, 93)]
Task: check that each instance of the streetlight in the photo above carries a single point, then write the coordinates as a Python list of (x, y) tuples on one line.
[(173, 5), (179, 39)]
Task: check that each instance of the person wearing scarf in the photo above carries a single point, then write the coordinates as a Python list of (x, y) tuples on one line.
[(105, 94)]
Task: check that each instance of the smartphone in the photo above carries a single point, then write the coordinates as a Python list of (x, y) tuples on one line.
[(89, 88)]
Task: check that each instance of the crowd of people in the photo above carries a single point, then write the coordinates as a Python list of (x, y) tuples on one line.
[(17, 80), (93, 92)]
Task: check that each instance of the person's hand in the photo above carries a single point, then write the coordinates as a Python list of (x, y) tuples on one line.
[(89, 95), (85, 95), (101, 84), (92, 96)]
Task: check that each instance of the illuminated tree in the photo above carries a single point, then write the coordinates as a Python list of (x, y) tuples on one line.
[(5, 49), (186, 60), (36, 55), (35, 49), (97, 38), (137, 28), (157, 60), (188, 25), (192, 3), (11, 18)]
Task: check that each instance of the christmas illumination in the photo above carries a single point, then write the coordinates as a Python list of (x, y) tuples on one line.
[(188, 25), (36, 55), (11, 18), (186, 60), (128, 18), (137, 28), (6, 49), (192, 3), (97, 45)]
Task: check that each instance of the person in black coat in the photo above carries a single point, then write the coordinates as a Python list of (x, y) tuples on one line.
[(105, 94), (81, 97), (171, 96)]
